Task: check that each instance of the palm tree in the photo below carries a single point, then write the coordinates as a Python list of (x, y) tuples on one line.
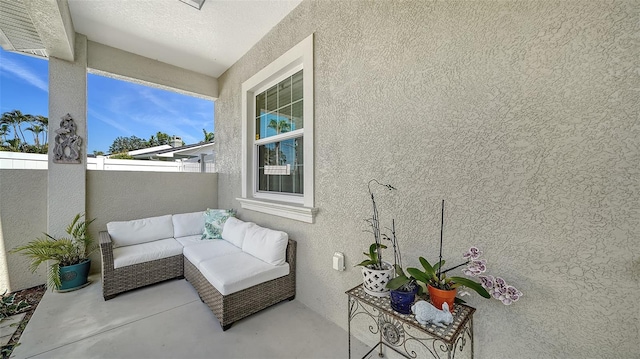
[(44, 122), (36, 130), (14, 145), (208, 136), (4, 131)]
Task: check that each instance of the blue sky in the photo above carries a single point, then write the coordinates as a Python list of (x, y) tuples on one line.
[(115, 108)]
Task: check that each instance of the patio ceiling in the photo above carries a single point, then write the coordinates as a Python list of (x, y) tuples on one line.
[(207, 41)]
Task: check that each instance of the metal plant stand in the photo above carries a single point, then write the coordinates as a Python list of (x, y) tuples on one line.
[(401, 332)]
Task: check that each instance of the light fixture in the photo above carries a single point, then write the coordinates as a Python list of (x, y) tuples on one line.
[(195, 3)]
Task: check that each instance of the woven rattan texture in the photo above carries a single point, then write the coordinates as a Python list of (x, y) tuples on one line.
[(235, 306), (115, 281)]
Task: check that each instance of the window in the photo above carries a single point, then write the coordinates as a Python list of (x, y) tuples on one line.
[(280, 137), (277, 106)]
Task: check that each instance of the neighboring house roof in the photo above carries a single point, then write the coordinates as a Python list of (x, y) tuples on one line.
[(149, 150), (174, 152)]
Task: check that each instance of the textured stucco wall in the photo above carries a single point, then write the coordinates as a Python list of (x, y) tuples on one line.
[(522, 115), (23, 217), (122, 196)]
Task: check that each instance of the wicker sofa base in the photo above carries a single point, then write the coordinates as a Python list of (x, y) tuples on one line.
[(123, 279), (235, 306)]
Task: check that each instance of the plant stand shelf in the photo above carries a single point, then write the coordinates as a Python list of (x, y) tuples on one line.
[(404, 335)]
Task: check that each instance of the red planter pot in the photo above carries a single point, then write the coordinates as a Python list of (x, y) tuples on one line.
[(439, 296)]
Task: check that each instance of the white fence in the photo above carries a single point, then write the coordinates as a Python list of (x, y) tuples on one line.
[(18, 160)]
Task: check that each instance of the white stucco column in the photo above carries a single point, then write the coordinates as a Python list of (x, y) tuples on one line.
[(66, 189)]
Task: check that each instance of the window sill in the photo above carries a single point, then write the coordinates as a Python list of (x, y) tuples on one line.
[(296, 212)]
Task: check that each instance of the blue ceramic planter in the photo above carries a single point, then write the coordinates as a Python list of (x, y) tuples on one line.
[(401, 302), (74, 276)]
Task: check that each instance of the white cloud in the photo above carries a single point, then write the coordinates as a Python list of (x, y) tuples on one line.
[(115, 124), (27, 75)]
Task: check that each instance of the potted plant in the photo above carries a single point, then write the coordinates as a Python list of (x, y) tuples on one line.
[(376, 273), (443, 288), (403, 289), (70, 256)]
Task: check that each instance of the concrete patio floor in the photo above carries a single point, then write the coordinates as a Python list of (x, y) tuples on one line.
[(168, 320)]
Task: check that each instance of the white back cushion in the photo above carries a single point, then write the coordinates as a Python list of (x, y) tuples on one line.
[(234, 231), (266, 244), (188, 224), (138, 231)]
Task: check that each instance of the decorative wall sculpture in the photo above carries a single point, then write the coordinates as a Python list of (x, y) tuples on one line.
[(67, 148)]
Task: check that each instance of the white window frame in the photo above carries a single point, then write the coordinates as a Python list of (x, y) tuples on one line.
[(293, 206)]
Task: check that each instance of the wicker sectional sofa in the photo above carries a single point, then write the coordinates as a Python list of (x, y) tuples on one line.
[(249, 269)]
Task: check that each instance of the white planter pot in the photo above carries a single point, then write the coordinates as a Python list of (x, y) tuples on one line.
[(375, 281)]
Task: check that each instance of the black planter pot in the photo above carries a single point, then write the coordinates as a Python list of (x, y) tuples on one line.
[(401, 301)]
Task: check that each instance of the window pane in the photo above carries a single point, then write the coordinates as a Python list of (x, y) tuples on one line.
[(296, 86), (297, 115), (284, 93), (275, 113), (260, 103), (284, 157), (272, 98), (284, 120)]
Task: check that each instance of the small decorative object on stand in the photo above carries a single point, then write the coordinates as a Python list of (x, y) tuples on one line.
[(427, 313), (439, 284)]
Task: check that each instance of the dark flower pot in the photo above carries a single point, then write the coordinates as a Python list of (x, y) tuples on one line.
[(401, 301), (74, 276)]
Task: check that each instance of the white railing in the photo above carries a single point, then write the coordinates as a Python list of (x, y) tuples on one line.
[(18, 160)]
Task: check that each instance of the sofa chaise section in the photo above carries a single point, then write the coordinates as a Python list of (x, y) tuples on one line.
[(138, 253), (229, 308)]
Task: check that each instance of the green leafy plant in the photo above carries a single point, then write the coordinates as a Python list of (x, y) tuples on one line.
[(373, 256), (9, 307), (61, 251), (403, 283), (432, 276)]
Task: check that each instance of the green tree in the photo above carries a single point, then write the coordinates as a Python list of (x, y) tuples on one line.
[(14, 119), (159, 139), (36, 130), (208, 136), (4, 131), (44, 122), (126, 144)]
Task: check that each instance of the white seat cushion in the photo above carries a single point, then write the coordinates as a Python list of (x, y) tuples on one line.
[(234, 272), (146, 252), (138, 231), (188, 224), (209, 249), (190, 240), (266, 244), (234, 231)]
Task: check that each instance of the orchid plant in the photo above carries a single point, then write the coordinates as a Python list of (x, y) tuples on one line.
[(495, 286), (475, 267), (374, 260)]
